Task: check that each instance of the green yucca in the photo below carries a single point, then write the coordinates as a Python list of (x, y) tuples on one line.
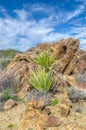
[(44, 59), (41, 80)]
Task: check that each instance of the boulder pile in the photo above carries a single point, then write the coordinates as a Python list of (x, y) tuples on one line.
[(69, 60)]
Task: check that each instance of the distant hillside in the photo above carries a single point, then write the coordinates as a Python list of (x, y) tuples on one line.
[(8, 53), (6, 57)]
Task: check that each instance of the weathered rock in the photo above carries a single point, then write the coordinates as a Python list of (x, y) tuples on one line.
[(46, 111), (30, 114), (16, 76), (52, 121), (64, 107), (40, 104), (58, 49), (80, 67), (31, 104), (66, 60), (69, 59), (33, 118), (9, 104), (81, 63), (36, 104), (72, 55), (42, 47), (72, 43), (61, 84)]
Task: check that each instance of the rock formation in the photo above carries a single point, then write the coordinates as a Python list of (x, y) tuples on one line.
[(69, 90), (69, 60)]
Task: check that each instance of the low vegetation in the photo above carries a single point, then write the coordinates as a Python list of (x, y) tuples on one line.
[(7, 53), (8, 81), (41, 80), (10, 126), (5, 63), (54, 102), (6, 57), (44, 59), (8, 94), (81, 77)]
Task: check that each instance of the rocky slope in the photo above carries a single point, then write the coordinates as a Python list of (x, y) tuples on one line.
[(70, 112), (69, 60)]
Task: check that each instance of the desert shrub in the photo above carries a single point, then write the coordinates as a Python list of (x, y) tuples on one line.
[(41, 80), (76, 95), (8, 94), (6, 57), (44, 59), (5, 63), (8, 81), (8, 53), (81, 77), (54, 102)]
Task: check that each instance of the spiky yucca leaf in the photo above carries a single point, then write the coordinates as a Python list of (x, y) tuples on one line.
[(41, 80), (44, 59)]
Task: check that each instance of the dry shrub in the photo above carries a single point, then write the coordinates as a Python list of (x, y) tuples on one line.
[(8, 80)]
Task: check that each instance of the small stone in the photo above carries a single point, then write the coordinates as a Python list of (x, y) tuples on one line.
[(65, 110), (32, 103), (64, 107), (30, 114), (46, 110), (40, 104), (9, 104), (52, 121)]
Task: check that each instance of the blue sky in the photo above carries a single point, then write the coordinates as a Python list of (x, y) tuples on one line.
[(24, 23)]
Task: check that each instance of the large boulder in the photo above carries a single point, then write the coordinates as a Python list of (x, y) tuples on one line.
[(69, 58), (16, 74)]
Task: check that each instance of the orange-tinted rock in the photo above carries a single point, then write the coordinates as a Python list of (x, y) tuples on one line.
[(30, 114), (31, 103), (40, 104)]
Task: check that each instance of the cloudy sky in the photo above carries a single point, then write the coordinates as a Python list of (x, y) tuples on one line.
[(24, 23)]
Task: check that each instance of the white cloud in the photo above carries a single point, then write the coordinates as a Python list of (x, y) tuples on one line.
[(76, 12), (24, 30), (22, 14)]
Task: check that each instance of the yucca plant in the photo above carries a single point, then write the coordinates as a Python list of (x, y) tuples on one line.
[(41, 80), (44, 59)]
